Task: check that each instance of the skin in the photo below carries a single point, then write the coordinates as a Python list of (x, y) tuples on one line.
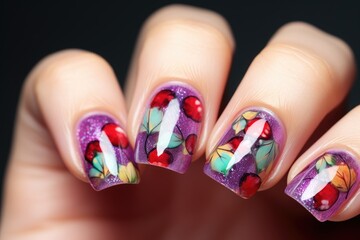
[(44, 198)]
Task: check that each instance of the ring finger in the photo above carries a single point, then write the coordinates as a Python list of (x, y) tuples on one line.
[(299, 77)]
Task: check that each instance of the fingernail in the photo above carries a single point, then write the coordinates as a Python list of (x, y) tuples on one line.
[(170, 127), (246, 153), (107, 154), (325, 184)]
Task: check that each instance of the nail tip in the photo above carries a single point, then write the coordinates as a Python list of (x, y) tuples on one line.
[(319, 218), (99, 186), (234, 191), (98, 189)]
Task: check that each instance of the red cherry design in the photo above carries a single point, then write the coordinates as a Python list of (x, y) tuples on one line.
[(162, 99), (116, 135), (249, 184), (190, 143), (324, 199), (265, 133), (234, 142), (163, 160), (193, 108), (91, 149)]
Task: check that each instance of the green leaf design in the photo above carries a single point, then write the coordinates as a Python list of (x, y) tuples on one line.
[(152, 120), (239, 125), (325, 161), (175, 141), (265, 154), (320, 165), (98, 162), (98, 167), (95, 173), (220, 158)]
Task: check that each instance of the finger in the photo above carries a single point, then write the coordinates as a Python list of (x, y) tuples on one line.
[(182, 63), (71, 112), (300, 76), (325, 179)]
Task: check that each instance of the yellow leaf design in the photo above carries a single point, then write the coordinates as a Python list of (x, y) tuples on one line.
[(239, 125), (128, 173), (184, 151), (344, 179), (249, 115), (106, 170), (122, 174), (220, 159)]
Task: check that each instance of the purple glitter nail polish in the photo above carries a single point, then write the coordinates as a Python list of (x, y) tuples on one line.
[(106, 152), (246, 153), (324, 185), (170, 128)]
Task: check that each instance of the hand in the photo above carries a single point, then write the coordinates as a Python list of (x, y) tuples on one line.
[(74, 121)]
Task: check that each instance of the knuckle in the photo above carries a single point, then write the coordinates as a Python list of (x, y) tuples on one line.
[(301, 65), (356, 111), (318, 43), (169, 10), (57, 70), (296, 26), (177, 18), (306, 28), (182, 11)]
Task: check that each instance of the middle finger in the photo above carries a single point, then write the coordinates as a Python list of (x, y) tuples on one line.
[(178, 75)]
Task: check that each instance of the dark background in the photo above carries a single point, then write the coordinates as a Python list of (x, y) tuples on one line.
[(31, 30)]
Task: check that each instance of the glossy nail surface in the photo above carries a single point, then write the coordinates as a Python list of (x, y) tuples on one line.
[(170, 128), (106, 152), (245, 154), (324, 185)]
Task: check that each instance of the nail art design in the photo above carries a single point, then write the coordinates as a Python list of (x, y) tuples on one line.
[(246, 153), (107, 154), (170, 127), (325, 184)]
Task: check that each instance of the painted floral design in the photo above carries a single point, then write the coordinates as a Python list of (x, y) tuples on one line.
[(246, 153), (325, 184), (107, 153), (170, 128)]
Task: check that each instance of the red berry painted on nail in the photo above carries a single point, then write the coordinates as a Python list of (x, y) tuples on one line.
[(163, 160), (193, 108), (249, 184), (190, 143), (266, 131), (162, 99), (324, 199), (116, 135), (234, 142), (91, 149)]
